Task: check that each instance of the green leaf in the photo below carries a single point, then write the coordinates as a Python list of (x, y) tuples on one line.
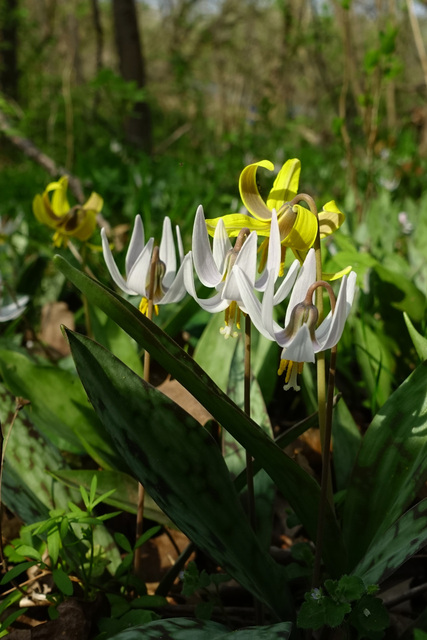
[(16, 571), (391, 549), (401, 293), (419, 342), (190, 629), (63, 582), (126, 490), (300, 489), (390, 468), (59, 407), (181, 466), (347, 439)]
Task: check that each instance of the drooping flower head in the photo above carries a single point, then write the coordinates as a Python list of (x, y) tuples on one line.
[(149, 268), (298, 226), (78, 221), (215, 267), (299, 339)]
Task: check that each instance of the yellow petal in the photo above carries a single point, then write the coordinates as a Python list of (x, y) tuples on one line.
[(338, 274), (234, 222), (60, 203), (285, 186), (304, 230), (87, 227), (330, 219), (95, 203), (249, 191)]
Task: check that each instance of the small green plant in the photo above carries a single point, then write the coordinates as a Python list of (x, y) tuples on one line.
[(348, 602), (207, 584), (64, 545)]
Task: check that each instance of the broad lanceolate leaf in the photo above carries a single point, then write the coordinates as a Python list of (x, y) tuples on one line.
[(392, 548), (390, 468), (181, 466), (300, 489), (59, 407), (190, 629)]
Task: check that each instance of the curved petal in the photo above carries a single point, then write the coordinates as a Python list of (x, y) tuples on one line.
[(221, 246), (136, 244), (330, 331), (330, 219), (13, 309), (287, 284), (249, 193), (212, 305), (60, 203), (285, 186), (329, 277), (246, 260), (94, 203), (42, 214), (112, 267), (179, 243), (304, 230), (177, 290), (251, 305), (306, 277), (274, 254), (167, 252), (86, 227), (235, 222), (299, 348), (203, 260), (138, 278)]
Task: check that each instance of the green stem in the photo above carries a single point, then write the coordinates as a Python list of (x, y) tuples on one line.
[(147, 361)]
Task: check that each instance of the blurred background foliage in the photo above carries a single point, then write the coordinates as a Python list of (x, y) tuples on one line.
[(159, 105)]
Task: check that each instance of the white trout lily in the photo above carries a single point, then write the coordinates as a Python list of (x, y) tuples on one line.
[(300, 340), (215, 268), (168, 285)]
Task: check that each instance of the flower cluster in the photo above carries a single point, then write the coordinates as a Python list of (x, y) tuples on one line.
[(241, 282)]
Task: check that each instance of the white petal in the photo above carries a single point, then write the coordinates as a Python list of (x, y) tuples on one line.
[(221, 245), (167, 252), (330, 331), (180, 245), (138, 278), (300, 347), (136, 244), (214, 304), (246, 260), (273, 255), (251, 304), (112, 267), (204, 263), (177, 290), (306, 277), (287, 284), (13, 309)]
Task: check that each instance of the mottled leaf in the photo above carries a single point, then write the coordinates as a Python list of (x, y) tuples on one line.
[(390, 468), (180, 464), (297, 486)]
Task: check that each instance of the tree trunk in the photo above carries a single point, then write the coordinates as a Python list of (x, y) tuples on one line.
[(9, 48), (138, 124)]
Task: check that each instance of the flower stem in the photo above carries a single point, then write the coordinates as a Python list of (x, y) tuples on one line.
[(147, 361)]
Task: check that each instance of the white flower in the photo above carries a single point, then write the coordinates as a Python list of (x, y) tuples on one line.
[(169, 283), (299, 339), (215, 268)]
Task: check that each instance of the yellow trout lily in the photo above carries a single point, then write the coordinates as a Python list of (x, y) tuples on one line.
[(69, 222), (297, 224)]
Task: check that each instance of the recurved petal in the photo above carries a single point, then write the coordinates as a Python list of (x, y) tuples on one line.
[(235, 222), (214, 304), (203, 260), (246, 260), (177, 289), (167, 247), (287, 283), (306, 277), (249, 193), (112, 267), (40, 212), (86, 226), (250, 303), (138, 278), (221, 246), (94, 203), (60, 203), (304, 230), (330, 219), (330, 331), (13, 309), (285, 186), (136, 244)]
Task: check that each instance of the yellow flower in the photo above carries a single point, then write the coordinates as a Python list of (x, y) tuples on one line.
[(69, 222), (297, 224)]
